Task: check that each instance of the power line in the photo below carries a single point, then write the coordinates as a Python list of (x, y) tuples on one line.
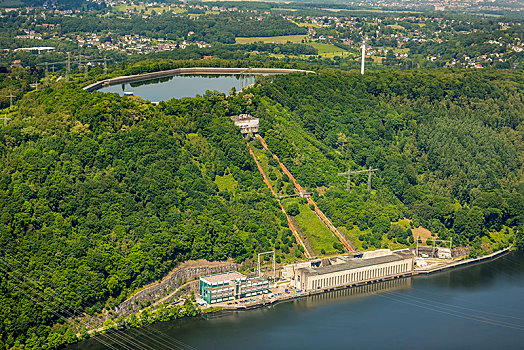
[(41, 303), (114, 334), (456, 313), (57, 305)]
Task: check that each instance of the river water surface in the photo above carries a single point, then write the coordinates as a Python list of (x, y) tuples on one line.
[(476, 307)]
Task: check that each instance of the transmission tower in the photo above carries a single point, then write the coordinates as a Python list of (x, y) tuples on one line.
[(349, 173), (5, 120), (244, 78), (10, 96), (272, 252)]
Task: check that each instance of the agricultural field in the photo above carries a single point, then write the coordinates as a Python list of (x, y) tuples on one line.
[(271, 39), (396, 26), (147, 9), (324, 48), (302, 24)]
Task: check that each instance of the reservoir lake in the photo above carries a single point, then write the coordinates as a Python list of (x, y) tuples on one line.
[(178, 86), (475, 307)]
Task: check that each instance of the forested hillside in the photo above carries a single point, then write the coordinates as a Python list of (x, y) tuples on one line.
[(100, 195), (448, 147)]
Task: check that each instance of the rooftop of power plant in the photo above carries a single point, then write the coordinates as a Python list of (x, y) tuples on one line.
[(352, 263)]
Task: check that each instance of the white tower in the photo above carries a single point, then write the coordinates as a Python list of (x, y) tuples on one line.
[(363, 56)]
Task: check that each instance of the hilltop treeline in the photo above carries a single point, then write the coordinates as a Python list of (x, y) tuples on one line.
[(221, 28)]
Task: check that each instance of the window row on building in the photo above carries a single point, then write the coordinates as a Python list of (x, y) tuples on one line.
[(353, 271), (359, 276), (229, 286)]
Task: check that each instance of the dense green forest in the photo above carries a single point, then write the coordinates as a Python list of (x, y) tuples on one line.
[(101, 194), (448, 146)]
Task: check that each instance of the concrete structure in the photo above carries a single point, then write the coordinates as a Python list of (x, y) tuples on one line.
[(229, 286), (290, 271), (174, 284), (189, 71), (376, 253), (363, 57), (246, 123), (38, 49), (444, 253), (353, 271)]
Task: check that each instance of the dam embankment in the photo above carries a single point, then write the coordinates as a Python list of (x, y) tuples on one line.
[(190, 71)]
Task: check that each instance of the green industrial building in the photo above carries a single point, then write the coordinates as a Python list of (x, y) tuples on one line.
[(230, 286)]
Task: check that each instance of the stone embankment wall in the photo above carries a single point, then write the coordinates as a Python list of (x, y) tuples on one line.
[(460, 251), (186, 71), (185, 272)]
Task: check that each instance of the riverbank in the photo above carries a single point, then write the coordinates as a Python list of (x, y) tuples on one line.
[(369, 287), (280, 294), (478, 306), (189, 71), (465, 262)]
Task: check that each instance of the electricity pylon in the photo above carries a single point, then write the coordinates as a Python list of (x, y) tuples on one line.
[(349, 173)]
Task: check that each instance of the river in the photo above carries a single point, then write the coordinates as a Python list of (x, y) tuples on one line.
[(179, 86), (474, 307)]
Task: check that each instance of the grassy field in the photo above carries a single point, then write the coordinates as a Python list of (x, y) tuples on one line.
[(226, 182), (324, 48), (317, 234), (396, 26), (269, 39), (147, 9), (352, 235), (300, 24), (264, 162), (368, 11), (283, 9)]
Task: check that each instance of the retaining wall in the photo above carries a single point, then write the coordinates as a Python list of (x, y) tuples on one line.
[(186, 272), (455, 252)]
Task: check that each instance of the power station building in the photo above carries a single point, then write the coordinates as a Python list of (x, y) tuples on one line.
[(345, 271), (246, 123), (230, 286)]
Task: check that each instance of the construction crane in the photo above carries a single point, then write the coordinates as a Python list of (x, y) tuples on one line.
[(349, 173)]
